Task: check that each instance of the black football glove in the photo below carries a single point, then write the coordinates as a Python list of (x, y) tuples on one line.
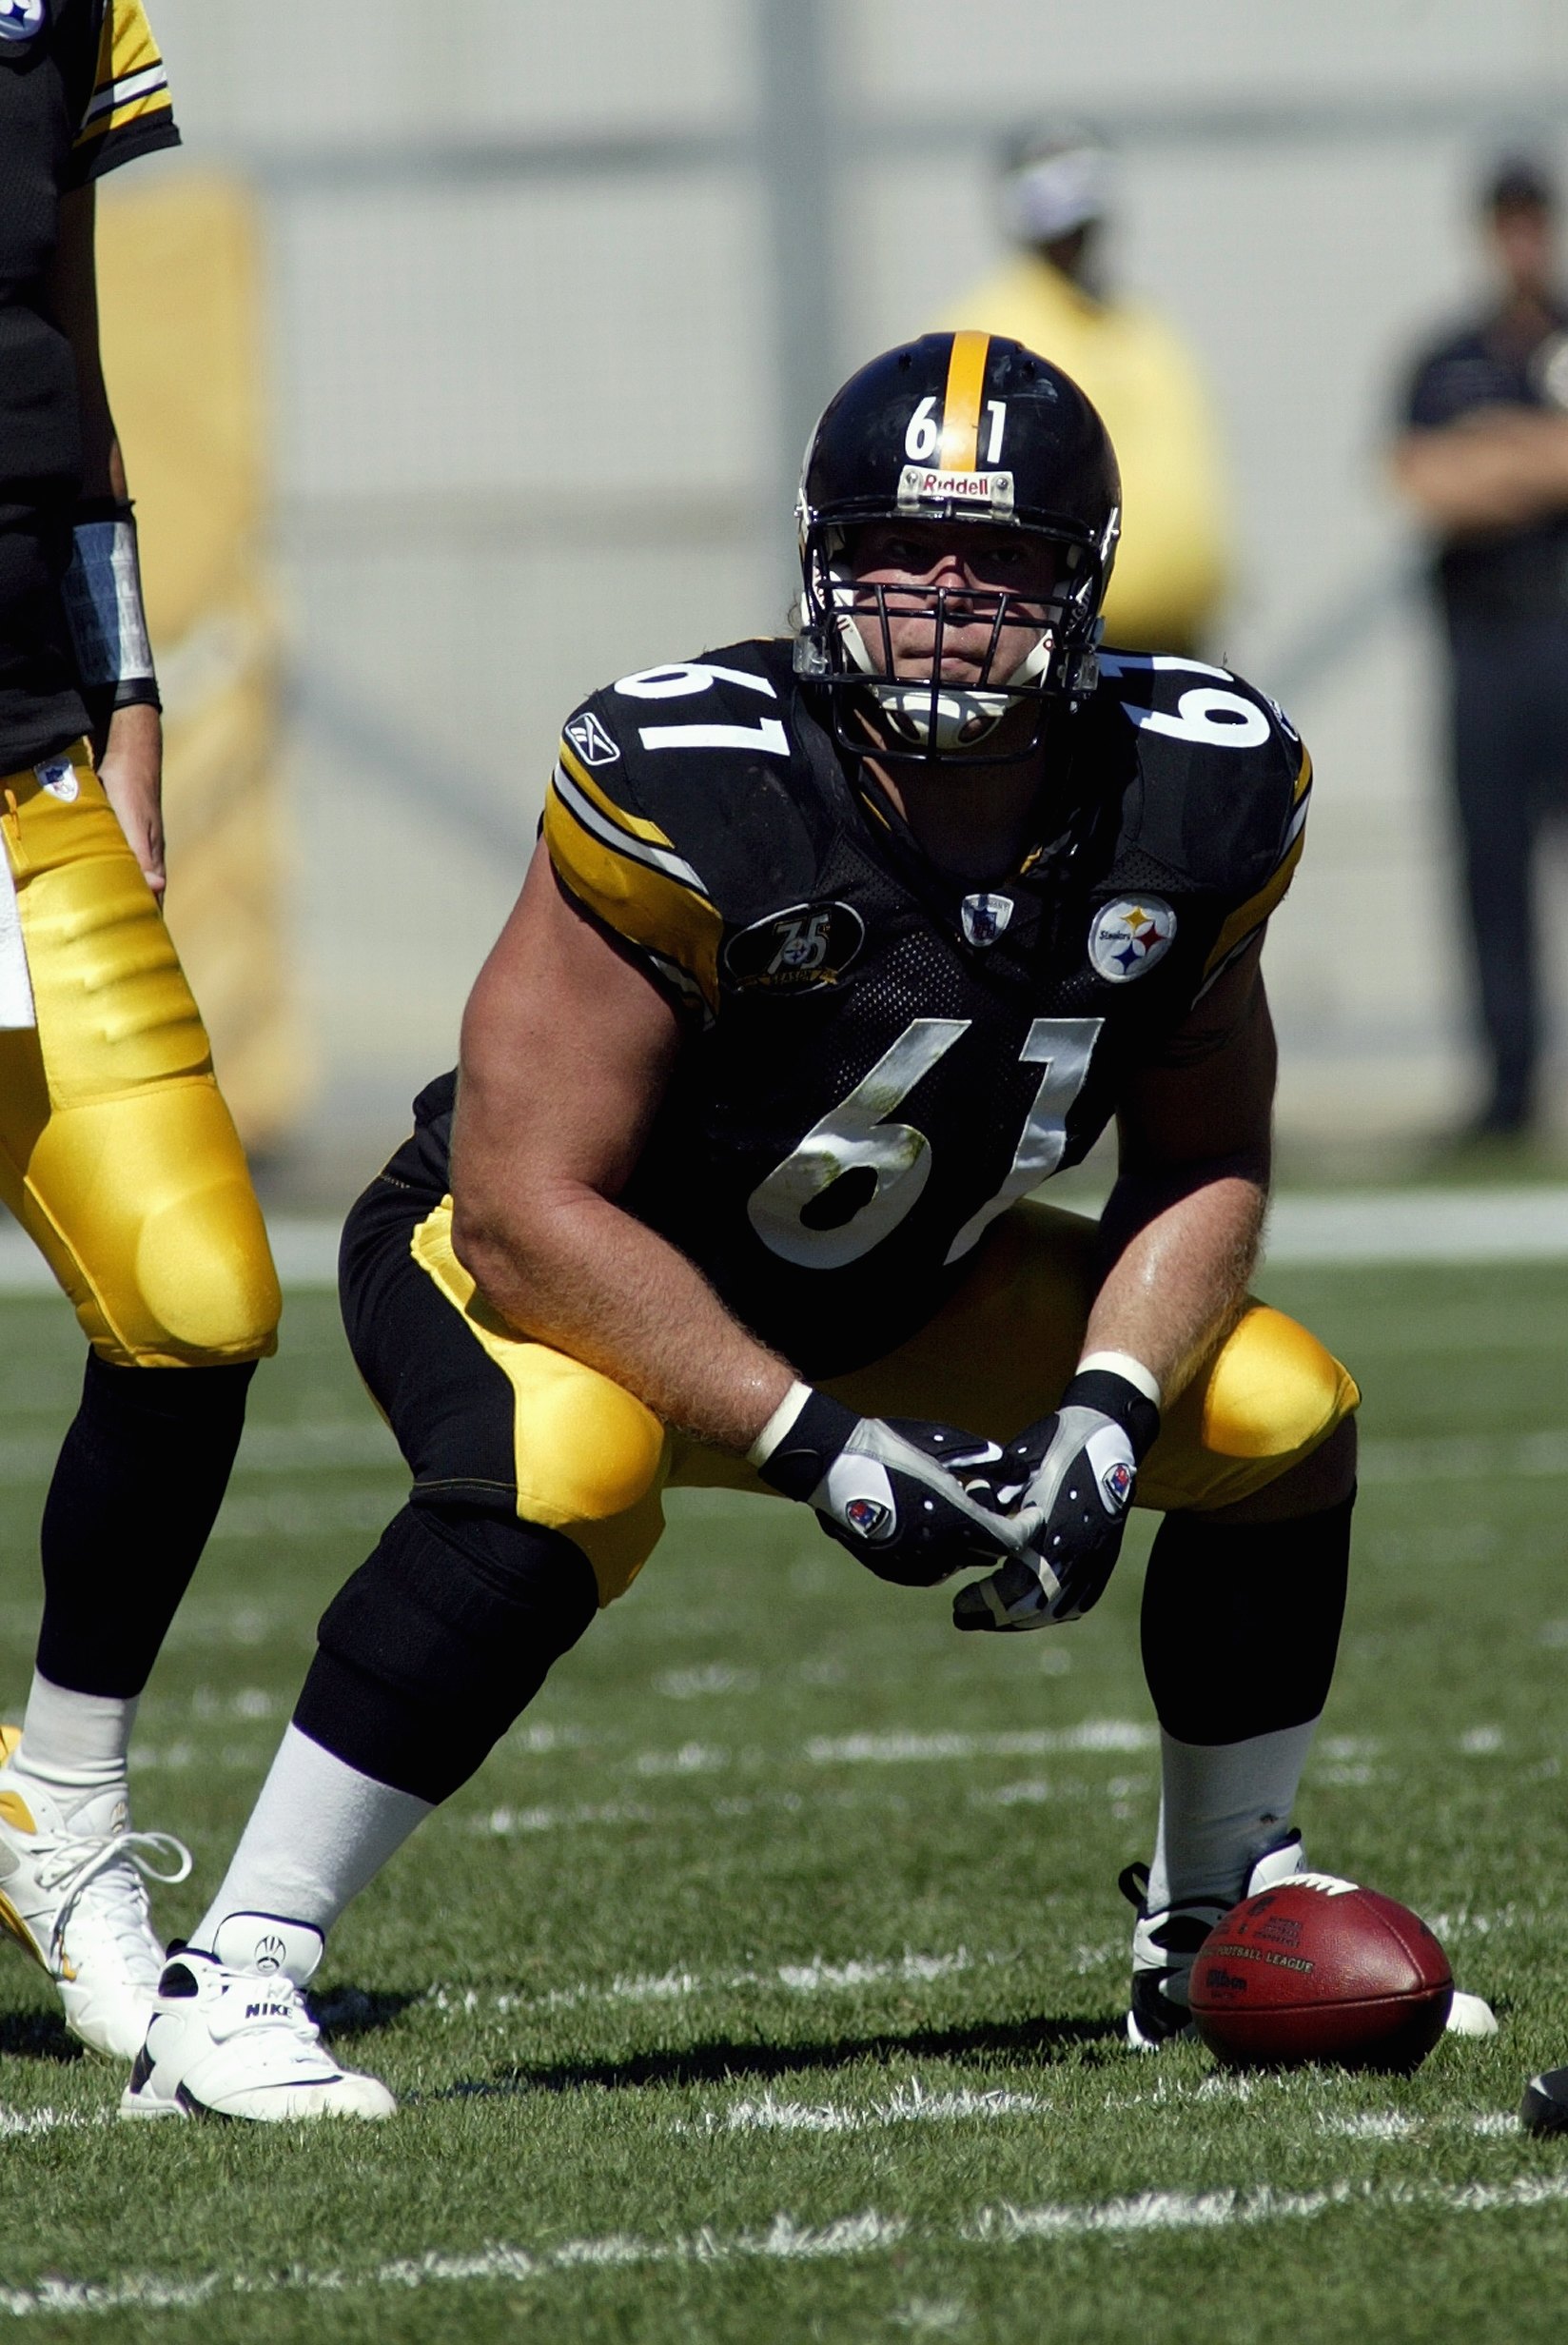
[(1072, 1479), (888, 1491)]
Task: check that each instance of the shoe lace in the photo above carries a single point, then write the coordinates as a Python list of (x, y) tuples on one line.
[(286, 2030), (114, 1866)]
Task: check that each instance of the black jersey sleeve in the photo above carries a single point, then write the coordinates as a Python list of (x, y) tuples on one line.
[(623, 869), (126, 107), (1224, 786), (680, 808)]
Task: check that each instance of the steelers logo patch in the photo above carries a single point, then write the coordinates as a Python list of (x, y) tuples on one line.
[(1129, 936)]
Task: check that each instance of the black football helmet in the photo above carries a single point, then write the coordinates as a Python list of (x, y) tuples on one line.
[(956, 428)]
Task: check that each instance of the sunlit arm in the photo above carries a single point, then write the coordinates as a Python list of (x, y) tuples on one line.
[(566, 1052), (1183, 1224), (1497, 469)]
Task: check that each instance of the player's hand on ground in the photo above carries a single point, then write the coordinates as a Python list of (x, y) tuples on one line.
[(892, 1493), (1069, 1481)]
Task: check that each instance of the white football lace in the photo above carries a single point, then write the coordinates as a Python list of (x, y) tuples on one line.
[(113, 1866)]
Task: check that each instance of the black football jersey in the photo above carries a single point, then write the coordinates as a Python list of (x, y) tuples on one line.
[(878, 1061)]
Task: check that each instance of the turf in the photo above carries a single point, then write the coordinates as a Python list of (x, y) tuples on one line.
[(767, 1984)]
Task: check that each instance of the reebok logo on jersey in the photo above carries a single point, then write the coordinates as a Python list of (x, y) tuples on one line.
[(591, 741), (1129, 936)]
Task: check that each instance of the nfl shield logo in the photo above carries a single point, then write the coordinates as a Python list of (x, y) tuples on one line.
[(868, 1516), (1116, 1482), (985, 917)]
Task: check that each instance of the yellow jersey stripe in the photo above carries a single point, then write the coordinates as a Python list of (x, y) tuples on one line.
[(1256, 910), (635, 824), (961, 403), (636, 897), (137, 110)]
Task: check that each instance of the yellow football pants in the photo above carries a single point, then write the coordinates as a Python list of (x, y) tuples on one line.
[(117, 1154), (593, 1461)]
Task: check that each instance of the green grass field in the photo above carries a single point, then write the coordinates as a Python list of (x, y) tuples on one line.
[(768, 1985)]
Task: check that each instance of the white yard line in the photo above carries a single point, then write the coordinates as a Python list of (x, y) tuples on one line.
[(909, 2105), (817, 1977), (1096, 1734), (1531, 1456), (1145, 2213), (1377, 1224), (1420, 1224), (14, 2122)]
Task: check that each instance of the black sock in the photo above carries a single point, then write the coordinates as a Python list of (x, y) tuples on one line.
[(139, 1481), (1241, 1622), (438, 1640)]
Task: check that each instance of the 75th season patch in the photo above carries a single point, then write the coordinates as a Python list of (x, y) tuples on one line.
[(1129, 936), (792, 952)]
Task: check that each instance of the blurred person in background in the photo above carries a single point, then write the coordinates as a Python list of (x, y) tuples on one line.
[(117, 1154), (1483, 461), (1058, 187)]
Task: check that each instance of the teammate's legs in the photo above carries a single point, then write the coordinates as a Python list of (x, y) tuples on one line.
[(118, 1156)]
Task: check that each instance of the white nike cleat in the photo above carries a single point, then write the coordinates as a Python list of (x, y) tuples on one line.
[(239, 2043), (1166, 1944), (73, 1895), (1471, 2014)]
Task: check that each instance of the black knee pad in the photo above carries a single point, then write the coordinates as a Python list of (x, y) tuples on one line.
[(438, 1641), (1241, 1622)]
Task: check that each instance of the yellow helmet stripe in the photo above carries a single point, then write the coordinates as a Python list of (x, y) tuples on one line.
[(961, 403)]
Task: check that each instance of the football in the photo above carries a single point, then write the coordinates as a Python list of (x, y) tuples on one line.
[(1321, 1969)]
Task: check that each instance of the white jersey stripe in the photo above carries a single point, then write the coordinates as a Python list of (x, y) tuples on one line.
[(638, 850), (130, 86)]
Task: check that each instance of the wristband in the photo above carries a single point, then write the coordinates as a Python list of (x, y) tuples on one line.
[(1115, 1395), (102, 592), (806, 1432)]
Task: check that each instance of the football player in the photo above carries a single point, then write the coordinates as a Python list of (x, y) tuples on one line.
[(833, 950), (117, 1154)]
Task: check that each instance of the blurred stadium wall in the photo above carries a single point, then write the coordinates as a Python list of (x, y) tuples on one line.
[(183, 348), (551, 297)]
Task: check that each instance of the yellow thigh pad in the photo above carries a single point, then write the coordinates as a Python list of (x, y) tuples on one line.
[(117, 1154), (591, 1461)]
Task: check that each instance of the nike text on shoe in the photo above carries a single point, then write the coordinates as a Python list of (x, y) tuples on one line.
[(1544, 2108), (1165, 1943), (72, 1894), (238, 2043)]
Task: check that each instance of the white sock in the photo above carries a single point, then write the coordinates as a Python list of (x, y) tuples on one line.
[(1220, 1806), (319, 1831), (77, 1741)]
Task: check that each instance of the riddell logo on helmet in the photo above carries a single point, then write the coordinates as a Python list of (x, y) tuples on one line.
[(917, 486)]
